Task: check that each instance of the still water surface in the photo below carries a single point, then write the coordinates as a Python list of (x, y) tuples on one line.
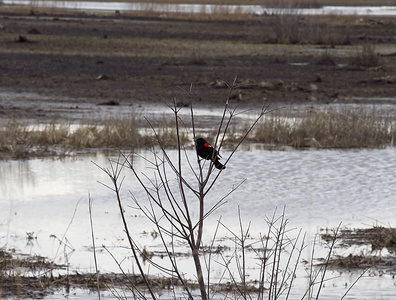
[(48, 198)]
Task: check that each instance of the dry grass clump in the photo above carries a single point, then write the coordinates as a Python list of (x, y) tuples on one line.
[(31, 277), (301, 29), (25, 276), (14, 138), (366, 57), (360, 261), (325, 59), (113, 133), (168, 136), (328, 129), (52, 134), (376, 237), (321, 129), (18, 140)]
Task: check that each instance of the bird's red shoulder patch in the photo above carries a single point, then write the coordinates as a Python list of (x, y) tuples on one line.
[(207, 145)]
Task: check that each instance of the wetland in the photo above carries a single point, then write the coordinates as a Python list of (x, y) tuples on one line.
[(63, 70)]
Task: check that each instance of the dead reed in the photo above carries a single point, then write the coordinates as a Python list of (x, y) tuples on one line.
[(365, 57), (325, 59), (348, 128), (122, 133), (18, 140), (374, 239), (345, 128), (300, 29)]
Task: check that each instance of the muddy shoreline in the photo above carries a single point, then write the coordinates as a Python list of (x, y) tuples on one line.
[(91, 59), (42, 277)]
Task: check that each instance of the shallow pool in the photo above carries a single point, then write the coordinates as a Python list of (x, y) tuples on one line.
[(47, 200)]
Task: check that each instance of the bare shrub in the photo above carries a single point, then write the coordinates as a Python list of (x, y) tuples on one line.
[(317, 30), (290, 26), (175, 201), (325, 59), (366, 57), (287, 28), (170, 208)]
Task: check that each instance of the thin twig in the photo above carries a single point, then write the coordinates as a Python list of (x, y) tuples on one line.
[(93, 244)]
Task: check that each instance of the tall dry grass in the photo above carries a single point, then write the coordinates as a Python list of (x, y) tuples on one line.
[(365, 57), (112, 133), (19, 140), (348, 128), (345, 128), (301, 29)]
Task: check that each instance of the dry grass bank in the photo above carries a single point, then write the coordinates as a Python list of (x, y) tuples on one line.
[(328, 129), (18, 140), (317, 129)]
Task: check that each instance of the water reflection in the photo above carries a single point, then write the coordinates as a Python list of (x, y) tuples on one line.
[(16, 177), (320, 188), (313, 179)]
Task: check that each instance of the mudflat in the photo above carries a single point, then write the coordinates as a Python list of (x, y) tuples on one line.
[(125, 58)]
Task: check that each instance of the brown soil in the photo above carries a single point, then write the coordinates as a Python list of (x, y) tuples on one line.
[(84, 58)]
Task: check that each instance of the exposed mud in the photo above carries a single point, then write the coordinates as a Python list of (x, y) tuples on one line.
[(35, 277), (62, 63), (377, 254)]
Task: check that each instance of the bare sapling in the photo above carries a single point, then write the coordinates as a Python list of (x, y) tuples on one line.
[(173, 196), (175, 191)]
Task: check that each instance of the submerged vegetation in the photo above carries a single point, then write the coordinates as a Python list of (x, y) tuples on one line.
[(378, 242), (35, 277), (346, 128), (31, 276)]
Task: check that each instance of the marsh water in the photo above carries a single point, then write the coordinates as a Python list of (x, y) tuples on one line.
[(44, 204), (207, 8), (44, 201)]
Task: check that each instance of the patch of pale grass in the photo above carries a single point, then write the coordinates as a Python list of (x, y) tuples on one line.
[(14, 138), (120, 133), (52, 134), (348, 128), (21, 141)]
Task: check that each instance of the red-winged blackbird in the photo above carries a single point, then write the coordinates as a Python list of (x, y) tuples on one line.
[(206, 151)]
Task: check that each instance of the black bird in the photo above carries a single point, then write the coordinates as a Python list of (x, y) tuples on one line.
[(206, 151)]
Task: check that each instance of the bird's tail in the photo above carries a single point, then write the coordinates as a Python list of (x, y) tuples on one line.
[(219, 165)]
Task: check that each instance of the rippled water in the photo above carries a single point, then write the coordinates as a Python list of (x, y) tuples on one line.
[(48, 198)]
